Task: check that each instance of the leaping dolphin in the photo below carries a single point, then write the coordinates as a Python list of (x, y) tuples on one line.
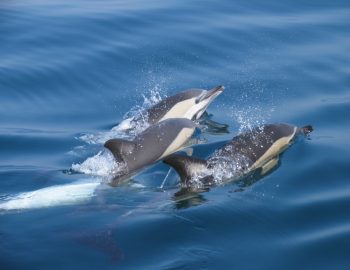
[(153, 144), (190, 104), (256, 149)]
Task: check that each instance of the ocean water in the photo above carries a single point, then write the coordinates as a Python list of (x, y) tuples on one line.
[(71, 71)]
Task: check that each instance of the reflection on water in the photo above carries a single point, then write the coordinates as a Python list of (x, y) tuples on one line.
[(192, 196), (187, 197)]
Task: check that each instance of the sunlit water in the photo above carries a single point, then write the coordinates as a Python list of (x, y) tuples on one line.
[(73, 74)]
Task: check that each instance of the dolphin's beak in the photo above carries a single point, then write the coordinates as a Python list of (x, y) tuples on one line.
[(210, 94)]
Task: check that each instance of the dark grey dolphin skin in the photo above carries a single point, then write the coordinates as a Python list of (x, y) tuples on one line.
[(153, 144), (256, 149), (190, 104)]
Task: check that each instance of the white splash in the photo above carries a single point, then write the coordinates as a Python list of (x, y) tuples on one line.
[(102, 164), (221, 168), (250, 117), (229, 169), (134, 121), (67, 194)]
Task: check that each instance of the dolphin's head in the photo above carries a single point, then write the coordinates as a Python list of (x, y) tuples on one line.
[(190, 104), (201, 102)]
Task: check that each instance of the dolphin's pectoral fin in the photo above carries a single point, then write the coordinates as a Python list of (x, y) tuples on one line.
[(216, 125), (194, 141), (185, 166), (212, 127), (270, 165), (204, 116), (119, 148)]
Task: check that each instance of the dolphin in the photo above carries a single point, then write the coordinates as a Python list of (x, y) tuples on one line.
[(153, 144), (257, 149), (190, 104)]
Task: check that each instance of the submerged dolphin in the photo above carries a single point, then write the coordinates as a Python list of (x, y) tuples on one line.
[(256, 149), (190, 104), (153, 144)]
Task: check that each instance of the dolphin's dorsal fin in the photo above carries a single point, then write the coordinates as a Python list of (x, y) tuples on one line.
[(120, 148), (186, 166)]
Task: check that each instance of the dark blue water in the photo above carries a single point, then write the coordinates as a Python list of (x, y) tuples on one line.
[(71, 70)]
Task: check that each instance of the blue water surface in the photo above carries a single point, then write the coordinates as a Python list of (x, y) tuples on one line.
[(71, 70)]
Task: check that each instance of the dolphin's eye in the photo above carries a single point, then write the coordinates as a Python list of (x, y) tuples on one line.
[(200, 97)]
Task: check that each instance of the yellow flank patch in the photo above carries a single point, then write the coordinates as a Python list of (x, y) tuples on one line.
[(276, 148), (179, 110), (179, 141)]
